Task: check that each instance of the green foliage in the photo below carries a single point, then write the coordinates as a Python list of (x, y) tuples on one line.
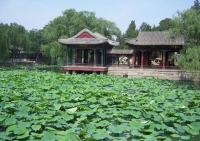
[(196, 5), (123, 44), (71, 22), (145, 27), (131, 31), (50, 106), (13, 37), (190, 60), (187, 23), (36, 40), (55, 51), (165, 24), (4, 41), (18, 37)]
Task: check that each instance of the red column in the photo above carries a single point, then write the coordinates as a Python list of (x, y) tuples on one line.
[(142, 59), (163, 59)]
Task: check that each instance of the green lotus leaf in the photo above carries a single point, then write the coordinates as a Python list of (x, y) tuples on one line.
[(10, 121), (100, 134), (57, 106), (118, 129), (92, 99), (19, 130), (72, 110), (11, 128), (195, 125), (103, 123), (138, 124), (191, 130), (69, 136), (179, 128), (2, 118), (103, 101), (36, 135), (171, 129), (168, 139), (37, 105), (23, 136), (48, 136), (185, 137), (36, 127), (67, 117)]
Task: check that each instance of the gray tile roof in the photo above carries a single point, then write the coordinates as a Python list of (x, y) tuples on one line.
[(99, 39), (156, 38)]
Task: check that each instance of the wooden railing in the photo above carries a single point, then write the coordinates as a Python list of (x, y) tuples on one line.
[(84, 64)]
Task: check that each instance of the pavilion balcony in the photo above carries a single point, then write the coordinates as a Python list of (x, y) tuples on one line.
[(155, 59), (154, 67)]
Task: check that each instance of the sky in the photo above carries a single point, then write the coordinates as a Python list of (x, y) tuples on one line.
[(37, 13)]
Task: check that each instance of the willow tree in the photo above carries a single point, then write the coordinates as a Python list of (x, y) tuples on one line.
[(187, 24), (69, 24), (4, 42), (18, 40), (55, 53)]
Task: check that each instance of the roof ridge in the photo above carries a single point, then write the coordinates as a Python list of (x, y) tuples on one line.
[(156, 38), (99, 39), (82, 31), (100, 35)]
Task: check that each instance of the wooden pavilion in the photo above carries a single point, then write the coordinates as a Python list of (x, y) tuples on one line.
[(119, 57), (87, 52), (155, 49), (92, 52)]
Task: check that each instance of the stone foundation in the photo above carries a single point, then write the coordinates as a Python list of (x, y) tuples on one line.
[(169, 74)]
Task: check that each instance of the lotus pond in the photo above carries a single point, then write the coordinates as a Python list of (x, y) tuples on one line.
[(49, 106)]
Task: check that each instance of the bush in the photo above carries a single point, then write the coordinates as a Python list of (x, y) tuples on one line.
[(189, 60)]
